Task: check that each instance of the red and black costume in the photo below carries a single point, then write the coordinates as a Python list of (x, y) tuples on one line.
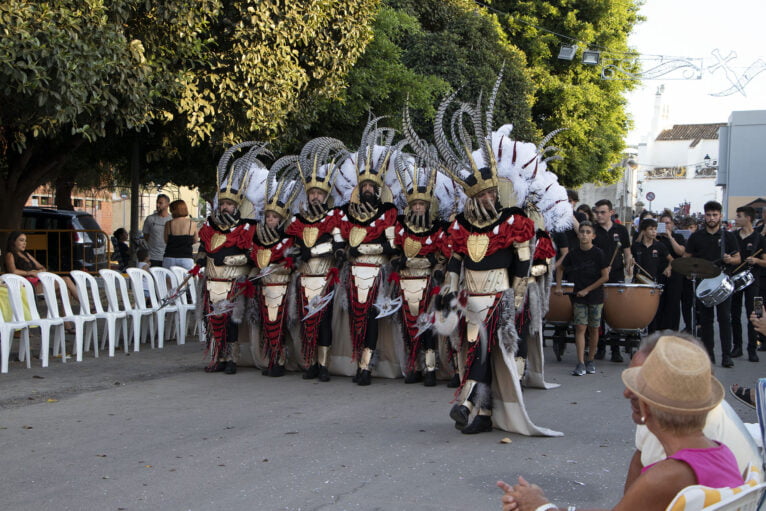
[(320, 244), (423, 254), (370, 241), (224, 252), (271, 290)]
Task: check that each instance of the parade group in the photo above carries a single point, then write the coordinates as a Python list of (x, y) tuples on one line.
[(450, 242)]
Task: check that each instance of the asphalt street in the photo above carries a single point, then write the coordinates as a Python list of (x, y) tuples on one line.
[(151, 430)]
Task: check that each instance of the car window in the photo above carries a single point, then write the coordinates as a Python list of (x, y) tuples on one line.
[(88, 223)]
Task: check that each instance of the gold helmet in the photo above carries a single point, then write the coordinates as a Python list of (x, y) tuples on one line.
[(282, 186), (232, 179), (319, 163), (368, 166)]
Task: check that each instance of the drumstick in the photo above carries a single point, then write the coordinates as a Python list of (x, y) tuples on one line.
[(745, 262), (616, 249), (643, 270)]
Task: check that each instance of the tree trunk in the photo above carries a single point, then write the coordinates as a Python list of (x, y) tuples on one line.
[(135, 167), (64, 186)]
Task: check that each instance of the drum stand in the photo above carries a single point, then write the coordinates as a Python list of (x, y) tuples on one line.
[(693, 277)]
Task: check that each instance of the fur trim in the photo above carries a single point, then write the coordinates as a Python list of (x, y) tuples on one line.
[(506, 326), (238, 312), (293, 305), (535, 305), (253, 312), (481, 396), (341, 291), (199, 308)]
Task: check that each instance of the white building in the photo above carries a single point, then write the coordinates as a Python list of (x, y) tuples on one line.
[(679, 167), (743, 152)]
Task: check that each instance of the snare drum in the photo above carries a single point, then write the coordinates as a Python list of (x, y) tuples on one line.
[(741, 280), (630, 306), (715, 291), (560, 307)]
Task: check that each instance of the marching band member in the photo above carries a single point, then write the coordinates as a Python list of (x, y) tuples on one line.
[(490, 244), (315, 230), (273, 264), (368, 225), (225, 243), (420, 237)]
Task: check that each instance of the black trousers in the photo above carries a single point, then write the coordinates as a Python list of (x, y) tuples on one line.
[(371, 336), (325, 328), (705, 321), (669, 312), (747, 296), (687, 301)]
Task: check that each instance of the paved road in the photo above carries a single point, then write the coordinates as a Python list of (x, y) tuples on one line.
[(150, 430)]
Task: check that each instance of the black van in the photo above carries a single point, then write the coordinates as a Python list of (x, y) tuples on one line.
[(65, 251)]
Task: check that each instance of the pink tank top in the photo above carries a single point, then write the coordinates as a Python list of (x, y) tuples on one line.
[(715, 467)]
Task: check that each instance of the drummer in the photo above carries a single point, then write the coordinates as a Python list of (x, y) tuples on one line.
[(672, 291), (608, 235), (588, 269), (750, 242), (651, 259), (706, 244)]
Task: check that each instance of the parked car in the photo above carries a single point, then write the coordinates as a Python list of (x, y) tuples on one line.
[(62, 251)]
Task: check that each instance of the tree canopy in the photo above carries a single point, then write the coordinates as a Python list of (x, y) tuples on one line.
[(570, 94)]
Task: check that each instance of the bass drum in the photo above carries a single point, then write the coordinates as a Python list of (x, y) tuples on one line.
[(630, 306), (560, 307)]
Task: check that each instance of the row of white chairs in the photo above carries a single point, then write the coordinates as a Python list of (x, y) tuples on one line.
[(135, 319)]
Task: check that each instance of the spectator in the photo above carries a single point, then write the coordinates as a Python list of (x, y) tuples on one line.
[(722, 423), (121, 248), (674, 390), (154, 230), (587, 213), (142, 255), (20, 262), (180, 235)]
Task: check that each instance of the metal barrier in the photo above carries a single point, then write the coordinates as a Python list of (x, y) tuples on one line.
[(64, 250)]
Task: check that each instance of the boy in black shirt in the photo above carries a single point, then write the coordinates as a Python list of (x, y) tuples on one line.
[(669, 314), (588, 269), (651, 258)]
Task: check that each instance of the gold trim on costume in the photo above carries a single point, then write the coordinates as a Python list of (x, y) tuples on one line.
[(310, 236), (263, 257), (356, 236), (477, 246), (412, 247), (217, 240)]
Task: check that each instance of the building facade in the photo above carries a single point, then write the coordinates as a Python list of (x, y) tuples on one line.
[(743, 153)]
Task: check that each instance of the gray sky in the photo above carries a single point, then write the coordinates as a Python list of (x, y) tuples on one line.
[(694, 28)]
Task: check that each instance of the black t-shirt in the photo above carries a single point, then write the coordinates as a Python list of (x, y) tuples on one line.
[(583, 268), (560, 240), (708, 246), (653, 259), (607, 242), (748, 246), (669, 246)]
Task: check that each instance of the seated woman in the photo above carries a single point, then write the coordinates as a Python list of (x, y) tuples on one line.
[(21, 262), (675, 390)]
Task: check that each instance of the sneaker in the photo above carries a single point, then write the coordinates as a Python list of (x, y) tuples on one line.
[(579, 370), (590, 367)]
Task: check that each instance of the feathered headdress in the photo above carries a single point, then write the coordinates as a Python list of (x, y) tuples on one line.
[(371, 164), (320, 161), (233, 179), (282, 185)]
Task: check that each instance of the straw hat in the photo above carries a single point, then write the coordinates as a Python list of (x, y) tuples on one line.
[(675, 377)]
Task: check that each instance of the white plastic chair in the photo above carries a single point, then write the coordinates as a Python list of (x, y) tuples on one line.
[(188, 301), (18, 287), (746, 500), (140, 281), (90, 303), (117, 297), (55, 291), (166, 283)]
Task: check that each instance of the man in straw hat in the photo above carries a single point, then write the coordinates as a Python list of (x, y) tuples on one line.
[(676, 390)]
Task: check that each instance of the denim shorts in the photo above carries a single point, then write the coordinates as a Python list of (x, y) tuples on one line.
[(186, 263), (585, 314)]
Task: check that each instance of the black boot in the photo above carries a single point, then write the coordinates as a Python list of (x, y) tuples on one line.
[(459, 414), (454, 381), (231, 368), (324, 373), (736, 352), (265, 371), (312, 372), (429, 380), (616, 355), (413, 377), (355, 378), (480, 424), (365, 378), (276, 371), (216, 367)]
